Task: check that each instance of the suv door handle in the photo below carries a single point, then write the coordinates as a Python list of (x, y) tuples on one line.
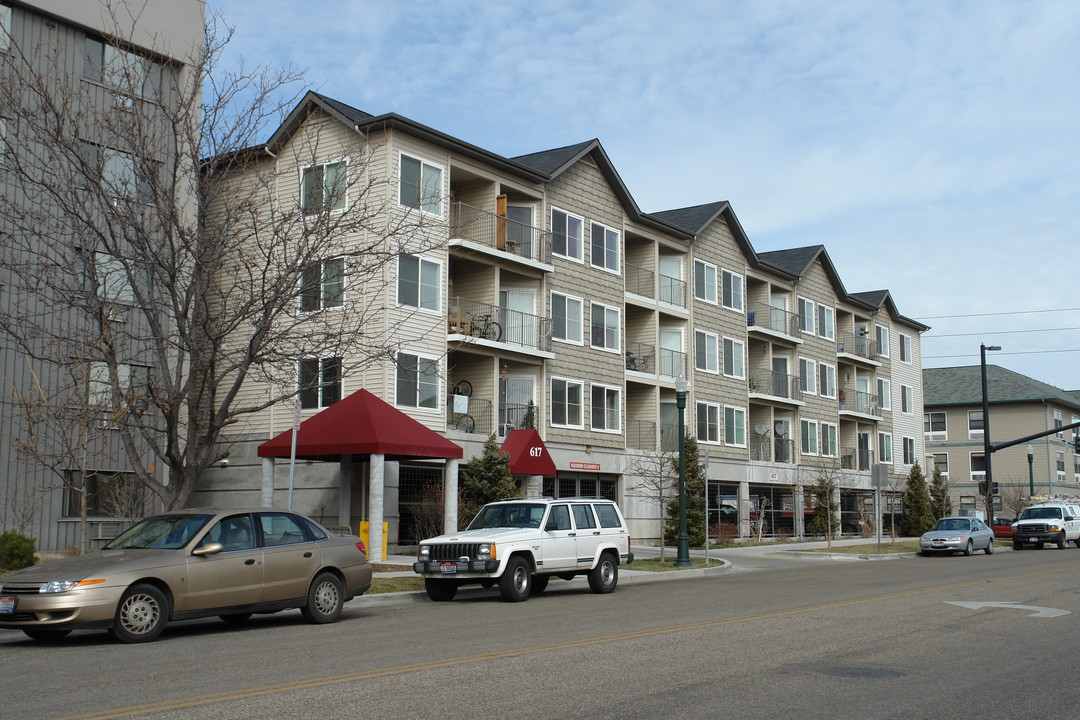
[(571, 534), (596, 532)]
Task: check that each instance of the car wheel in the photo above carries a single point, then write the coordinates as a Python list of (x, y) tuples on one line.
[(324, 599), (516, 581), (44, 635), (969, 549), (237, 619), (605, 576), (924, 553), (539, 584), (990, 546), (1018, 545), (141, 614), (440, 590), (1077, 541), (1061, 541)]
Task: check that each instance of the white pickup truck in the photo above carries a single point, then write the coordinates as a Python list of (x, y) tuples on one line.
[(521, 544), (1054, 522)]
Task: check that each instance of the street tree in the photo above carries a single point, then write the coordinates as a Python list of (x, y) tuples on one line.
[(918, 513), (940, 502), (654, 478), (695, 497), (484, 479), (828, 479)]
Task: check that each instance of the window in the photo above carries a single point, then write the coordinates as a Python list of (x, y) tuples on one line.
[(934, 426), (705, 281), (734, 358), (905, 348), (113, 284), (708, 422), (417, 381), (706, 352), (808, 376), (881, 334), (1076, 468), (5, 28), (567, 235), (907, 399), (605, 408), (566, 396), (830, 444), (735, 426), (132, 381), (420, 185), (605, 327), (826, 321), (104, 493), (323, 285), (827, 380), (1060, 458), (733, 290), (975, 424), (124, 71), (978, 466), (809, 437), (909, 450), (419, 282), (1057, 424), (323, 187), (941, 464), (320, 382), (116, 171), (806, 315), (884, 391), (566, 318), (605, 247), (884, 447)]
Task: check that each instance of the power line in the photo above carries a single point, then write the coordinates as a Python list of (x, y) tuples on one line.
[(1015, 312), (997, 332), (997, 353)]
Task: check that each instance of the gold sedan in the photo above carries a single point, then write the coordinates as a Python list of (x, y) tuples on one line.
[(186, 564)]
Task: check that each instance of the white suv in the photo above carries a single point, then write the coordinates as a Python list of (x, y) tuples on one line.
[(520, 544), (1058, 523)]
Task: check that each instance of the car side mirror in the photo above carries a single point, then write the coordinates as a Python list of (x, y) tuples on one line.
[(1069, 517), (208, 549)]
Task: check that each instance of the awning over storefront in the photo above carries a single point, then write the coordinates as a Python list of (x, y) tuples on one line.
[(528, 454), (361, 424)]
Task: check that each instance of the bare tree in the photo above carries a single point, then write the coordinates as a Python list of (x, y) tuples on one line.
[(828, 478), (1014, 499), (173, 284), (657, 481)]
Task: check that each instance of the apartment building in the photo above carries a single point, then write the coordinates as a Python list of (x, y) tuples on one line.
[(1020, 406), (537, 294), (92, 68)]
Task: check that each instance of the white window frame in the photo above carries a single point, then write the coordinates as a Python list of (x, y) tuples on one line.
[(884, 387), (325, 280), (734, 351), (807, 315), (5, 28), (885, 448), (567, 301), (426, 190), (712, 422), (882, 338), (608, 391), (907, 399), (711, 351), (610, 235), (734, 423), (935, 456), (426, 366), (973, 434), (579, 239), (567, 383), (609, 313), (906, 348), (112, 279), (1059, 420), (909, 450), (827, 384), (702, 292), (99, 382), (327, 189), (829, 439), (808, 437), (424, 269), (976, 476), (929, 433), (324, 365), (808, 376), (735, 298), (826, 322)]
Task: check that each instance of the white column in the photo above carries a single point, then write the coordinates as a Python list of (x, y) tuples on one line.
[(268, 482), (376, 475), (450, 496), (534, 486), (799, 511), (744, 509)]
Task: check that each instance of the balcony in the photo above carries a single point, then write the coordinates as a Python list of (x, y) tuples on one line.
[(484, 321), (640, 434), (863, 403), (471, 415), (640, 281), (515, 417), (761, 317), (640, 357), (857, 346), (771, 449), (672, 363), (855, 459), (775, 385), (672, 291), (499, 233)]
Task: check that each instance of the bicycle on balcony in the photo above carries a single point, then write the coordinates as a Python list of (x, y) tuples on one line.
[(484, 327), (637, 363)]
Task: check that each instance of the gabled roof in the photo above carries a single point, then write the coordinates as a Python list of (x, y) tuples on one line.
[(963, 386), (361, 424), (696, 218), (553, 162), (883, 298)]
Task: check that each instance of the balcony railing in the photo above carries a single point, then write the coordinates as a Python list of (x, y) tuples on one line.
[(765, 316), (498, 324), (640, 281), (640, 434), (856, 458), (640, 357), (856, 344), (498, 232), (860, 402), (672, 363), (472, 415), (672, 290), (766, 448), (669, 437), (774, 384), (516, 417)]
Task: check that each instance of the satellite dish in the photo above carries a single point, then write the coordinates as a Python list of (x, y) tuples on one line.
[(761, 429), (780, 428)]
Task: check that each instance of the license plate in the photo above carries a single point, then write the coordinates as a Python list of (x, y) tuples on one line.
[(448, 567), (1032, 540), (7, 604)]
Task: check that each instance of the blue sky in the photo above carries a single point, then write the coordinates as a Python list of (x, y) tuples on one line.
[(931, 146)]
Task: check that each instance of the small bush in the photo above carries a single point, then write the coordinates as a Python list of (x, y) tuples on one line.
[(16, 550)]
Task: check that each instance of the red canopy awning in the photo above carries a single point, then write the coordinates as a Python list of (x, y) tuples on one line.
[(361, 424), (528, 454)]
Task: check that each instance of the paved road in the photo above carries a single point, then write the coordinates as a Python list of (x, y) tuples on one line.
[(826, 639)]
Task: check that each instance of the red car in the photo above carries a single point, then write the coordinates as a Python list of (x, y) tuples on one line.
[(1003, 528)]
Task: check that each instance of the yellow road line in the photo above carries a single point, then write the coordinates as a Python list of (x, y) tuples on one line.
[(448, 662)]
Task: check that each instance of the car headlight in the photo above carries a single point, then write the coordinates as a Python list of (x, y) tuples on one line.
[(424, 553), (1054, 528), (486, 551), (58, 586), (953, 539)]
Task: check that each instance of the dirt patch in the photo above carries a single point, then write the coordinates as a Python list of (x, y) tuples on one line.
[(382, 567)]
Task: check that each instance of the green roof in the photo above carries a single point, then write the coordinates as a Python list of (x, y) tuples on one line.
[(963, 386)]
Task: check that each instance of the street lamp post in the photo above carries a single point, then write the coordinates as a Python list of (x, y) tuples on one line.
[(1031, 470), (986, 434), (682, 557)]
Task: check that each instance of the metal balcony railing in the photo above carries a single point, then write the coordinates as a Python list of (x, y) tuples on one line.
[(640, 434), (502, 233), (640, 357), (765, 316), (856, 458), (860, 402), (669, 437), (765, 448), (516, 417), (498, 324), (774, 384), (672, 363), (672, 290), (640, 281), (856, 344), (468, 414)]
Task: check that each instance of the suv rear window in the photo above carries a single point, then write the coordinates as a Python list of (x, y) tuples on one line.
[(608, 516)]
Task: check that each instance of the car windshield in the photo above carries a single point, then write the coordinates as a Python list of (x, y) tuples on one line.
[(515, 515), (162, 532), (952, 524), (1041, 513)]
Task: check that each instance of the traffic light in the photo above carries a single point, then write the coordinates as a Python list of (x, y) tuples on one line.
[(1076, 444), (994, 488), (982, 487)]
